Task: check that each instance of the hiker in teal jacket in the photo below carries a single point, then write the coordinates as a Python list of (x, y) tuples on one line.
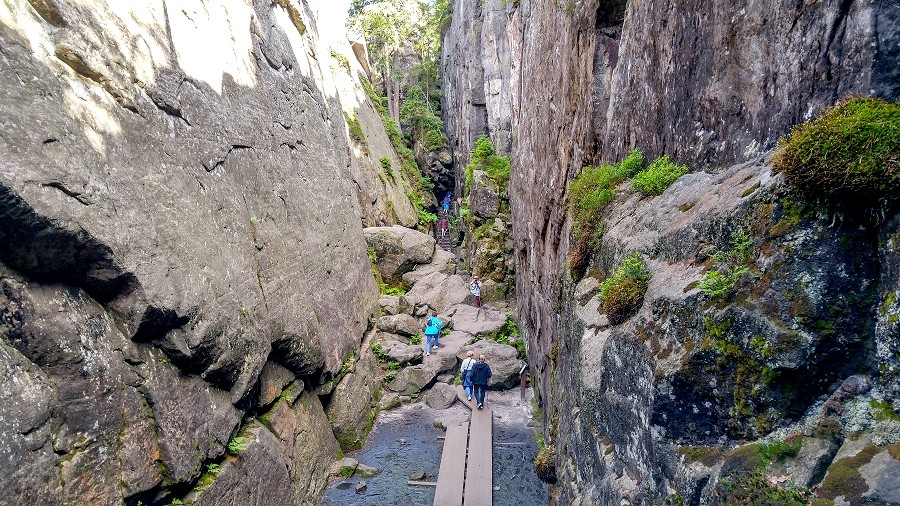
[(432, 331)]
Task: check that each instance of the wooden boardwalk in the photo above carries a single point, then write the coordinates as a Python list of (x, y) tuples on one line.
[(465, 477)]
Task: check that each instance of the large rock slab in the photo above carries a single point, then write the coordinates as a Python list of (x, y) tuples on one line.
[(440, 396), (503, 359), (484, 200), (352, 406), (402, 352), (258, 476), (443, 261), (398, 249), (412, 379), (400, 324), (476, 321), (438, 291)]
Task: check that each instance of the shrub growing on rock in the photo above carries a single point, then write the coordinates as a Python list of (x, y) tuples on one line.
[(545, 465), (658, 176), (622, 293), (589, 194), (850, 153)]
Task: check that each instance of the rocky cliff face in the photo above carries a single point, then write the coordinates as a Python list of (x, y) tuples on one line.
[(183, 191), (631, 408)]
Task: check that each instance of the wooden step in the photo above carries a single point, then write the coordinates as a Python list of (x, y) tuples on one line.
[(451, 475)]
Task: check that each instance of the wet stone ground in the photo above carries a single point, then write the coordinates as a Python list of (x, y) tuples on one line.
[(404, 442)]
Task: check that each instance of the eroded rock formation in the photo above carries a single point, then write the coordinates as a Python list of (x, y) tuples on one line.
[(641, 411), (182, 203)]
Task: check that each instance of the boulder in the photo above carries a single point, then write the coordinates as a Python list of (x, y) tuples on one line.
[(272, 381), (366, 471), (476, 321), (438, 291), (400, 324), (492, 291), (441, 396), (398, 249), (390, 304), (352, 407), (503, 360), (389, 400), (344, 467), (443, 261), (484, 199), (412, 379), (404, 353)]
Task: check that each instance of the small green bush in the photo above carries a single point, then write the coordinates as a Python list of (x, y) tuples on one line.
[(622, 293), (356, 132), (719, 282), (658, 176), (545, 464), (435, 140), (589, 194), (387, 166), (849, 153), (484, 158)]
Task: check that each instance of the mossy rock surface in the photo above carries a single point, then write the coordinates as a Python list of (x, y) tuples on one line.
[(847, 154)]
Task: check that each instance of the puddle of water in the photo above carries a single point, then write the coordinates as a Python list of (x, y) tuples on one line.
[(404, 442)]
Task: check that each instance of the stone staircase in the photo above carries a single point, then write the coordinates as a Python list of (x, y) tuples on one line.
[(443, 242)]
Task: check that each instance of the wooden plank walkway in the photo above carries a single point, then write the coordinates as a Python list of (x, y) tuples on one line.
[(473, 485), (449, 490), (479, 468)]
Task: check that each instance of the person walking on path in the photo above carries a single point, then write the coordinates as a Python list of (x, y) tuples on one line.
[(481, 372), (432, 332), (466, 370), (475, 288), (446, 202), (443, 227)]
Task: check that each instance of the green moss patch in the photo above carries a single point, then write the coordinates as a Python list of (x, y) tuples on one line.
[(589, 194), (658, 176), (843, 478), (622, 293), (848, 153)]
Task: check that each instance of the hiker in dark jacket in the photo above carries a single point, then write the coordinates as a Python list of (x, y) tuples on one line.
[(481, 372)]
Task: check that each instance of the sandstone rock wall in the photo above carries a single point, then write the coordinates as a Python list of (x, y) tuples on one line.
[(712, 85), (182, 203)]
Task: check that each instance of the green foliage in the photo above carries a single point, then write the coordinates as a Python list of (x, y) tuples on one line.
[(589, 194), (373, 256), (435, 140), (484, 158), (378, 100), (387, 166), (658, 176), (416, 339), (622, 293), (356, 132), (419, 114), (426, 217), (545, 463), (237, 445), (342, 60), (849, 153), (379, 352), (719, 282), (393, 365), (780, 450), (395, 290), (509, 331)]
